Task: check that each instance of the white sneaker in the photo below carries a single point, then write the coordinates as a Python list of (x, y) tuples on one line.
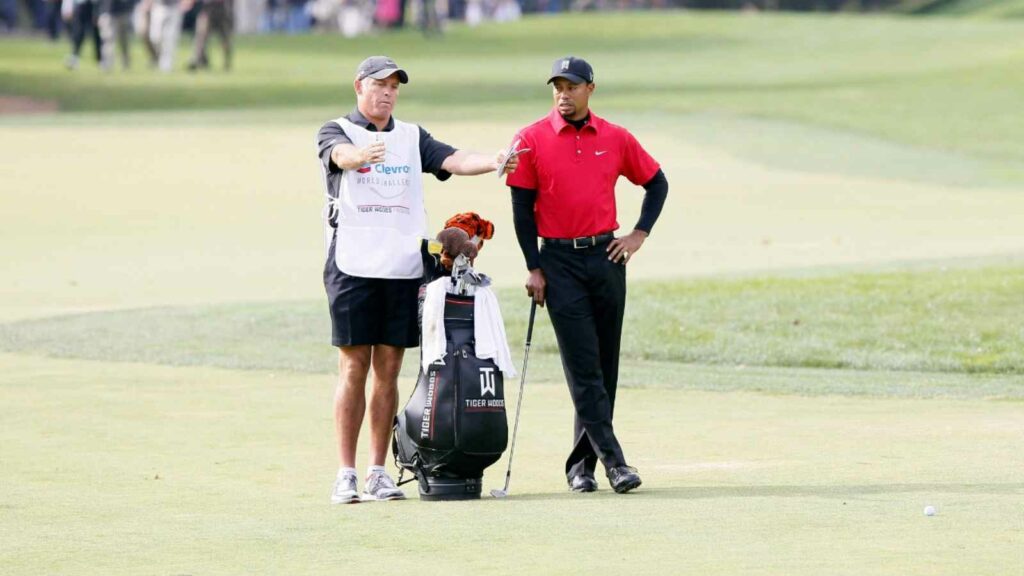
[(380, 486), (345, 490)]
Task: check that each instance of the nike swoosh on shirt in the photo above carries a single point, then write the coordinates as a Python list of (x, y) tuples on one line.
[(599, 152)]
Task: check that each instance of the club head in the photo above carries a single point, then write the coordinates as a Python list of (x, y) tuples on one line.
[(499, 493)]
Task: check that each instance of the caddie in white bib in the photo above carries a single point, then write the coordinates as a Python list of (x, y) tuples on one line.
[(380, 215)]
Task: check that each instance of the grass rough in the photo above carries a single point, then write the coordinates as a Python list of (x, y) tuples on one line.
[(940, 321)]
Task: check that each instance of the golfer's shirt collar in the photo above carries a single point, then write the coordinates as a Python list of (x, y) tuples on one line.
[(558, 123), (357, 118)]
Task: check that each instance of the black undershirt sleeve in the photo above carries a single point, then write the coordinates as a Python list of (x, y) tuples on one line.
[(330, 135), (433, 153), (655, 192), (523, 200)]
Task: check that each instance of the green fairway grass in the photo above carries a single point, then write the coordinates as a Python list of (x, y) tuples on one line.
[(958, 320), (121, 468), (169, 213), (823, 332), (934, 83)]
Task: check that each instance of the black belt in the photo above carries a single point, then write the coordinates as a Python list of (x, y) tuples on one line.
[(581, 242)]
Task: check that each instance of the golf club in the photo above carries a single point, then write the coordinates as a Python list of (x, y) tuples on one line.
[(519, 403)]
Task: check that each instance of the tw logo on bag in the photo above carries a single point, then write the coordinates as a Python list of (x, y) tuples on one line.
[(488, 385), (486, 382)]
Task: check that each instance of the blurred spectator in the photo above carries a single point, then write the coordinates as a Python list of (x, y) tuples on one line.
[(474, 12), (455, 9), (402, 4), (216, 15), (350, 17), (478, 11), (189, 11), (115, 23), (430, 20), (37, 13), (142, 20), (81, 15), (298, 16), (355, 17), (507, 11), (164, 30), (8, 15), (247, 16), (53, 19), (387, 13), (275, 16), (325, 14)]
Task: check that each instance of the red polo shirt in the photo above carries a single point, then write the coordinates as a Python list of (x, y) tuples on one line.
[(574, 173)]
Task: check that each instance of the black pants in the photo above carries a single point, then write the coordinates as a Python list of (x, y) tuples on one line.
[(83, 23), (54, 21), (216, 17), (586, 298)]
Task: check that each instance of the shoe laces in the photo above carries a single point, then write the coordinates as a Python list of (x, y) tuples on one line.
[(346, 482), (379, 481)]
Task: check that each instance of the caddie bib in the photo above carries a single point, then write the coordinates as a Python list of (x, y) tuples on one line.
[(381, 218)]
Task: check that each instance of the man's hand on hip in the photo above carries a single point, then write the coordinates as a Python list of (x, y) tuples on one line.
[(622, 249), (536, 284)]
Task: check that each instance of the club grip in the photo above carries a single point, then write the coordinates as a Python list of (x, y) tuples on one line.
[(529, 327)]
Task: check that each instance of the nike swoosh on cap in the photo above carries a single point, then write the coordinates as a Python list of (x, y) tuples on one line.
[(599, 152)]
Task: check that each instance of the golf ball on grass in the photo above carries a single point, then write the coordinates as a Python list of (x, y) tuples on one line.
[(929, 510)]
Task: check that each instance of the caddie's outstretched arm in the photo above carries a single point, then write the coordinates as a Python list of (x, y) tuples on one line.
[(466, 163)]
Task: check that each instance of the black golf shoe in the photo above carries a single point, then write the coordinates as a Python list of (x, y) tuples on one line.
[(583, 483), (623, 478)]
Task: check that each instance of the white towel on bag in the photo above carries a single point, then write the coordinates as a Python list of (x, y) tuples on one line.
[(433, 323), (489, 331), (488, 327)]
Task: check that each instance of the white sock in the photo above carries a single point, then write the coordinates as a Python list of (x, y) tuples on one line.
[(343, 471), (375, 469)]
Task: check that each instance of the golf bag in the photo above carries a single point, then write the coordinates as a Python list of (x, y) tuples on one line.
[(454, 424)]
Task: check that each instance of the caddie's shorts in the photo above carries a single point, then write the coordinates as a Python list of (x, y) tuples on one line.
[(371, 310)]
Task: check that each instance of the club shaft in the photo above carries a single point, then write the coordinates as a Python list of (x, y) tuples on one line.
[(522, 384)]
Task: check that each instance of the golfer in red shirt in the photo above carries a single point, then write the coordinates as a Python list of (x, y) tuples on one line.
[(564, 193)]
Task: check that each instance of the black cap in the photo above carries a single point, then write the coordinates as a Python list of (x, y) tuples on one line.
[(379, 68), (573, 69)]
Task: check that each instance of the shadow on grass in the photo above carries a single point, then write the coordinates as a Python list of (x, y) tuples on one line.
[(785, 491)]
